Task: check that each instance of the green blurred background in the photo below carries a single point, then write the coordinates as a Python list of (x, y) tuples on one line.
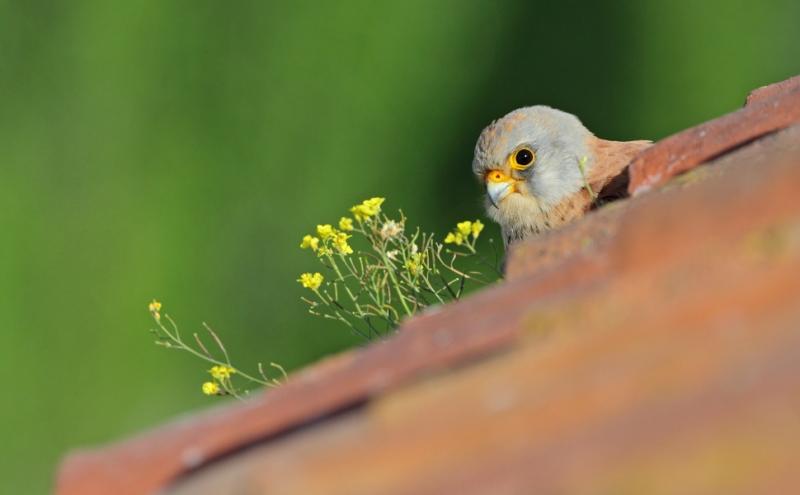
[(179, 150)]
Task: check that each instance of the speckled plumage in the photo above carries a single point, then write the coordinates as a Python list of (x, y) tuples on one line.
[(552, 191)]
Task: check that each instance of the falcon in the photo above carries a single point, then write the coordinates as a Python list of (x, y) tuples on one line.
[(542, 169)]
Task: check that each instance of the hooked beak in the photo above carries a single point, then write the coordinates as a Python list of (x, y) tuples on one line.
[(497, 191), (498, 186)]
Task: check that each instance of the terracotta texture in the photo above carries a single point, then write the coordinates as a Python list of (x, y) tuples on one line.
[(769, 109), (773, 90), (652, 347)]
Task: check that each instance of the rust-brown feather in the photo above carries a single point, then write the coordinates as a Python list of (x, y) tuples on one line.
[(611, 159), (608, 174)]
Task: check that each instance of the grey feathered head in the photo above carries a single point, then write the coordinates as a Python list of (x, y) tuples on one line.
[(542, 168), (557, 140)]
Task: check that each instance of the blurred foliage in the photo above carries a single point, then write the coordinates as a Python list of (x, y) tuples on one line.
[(179, 150)]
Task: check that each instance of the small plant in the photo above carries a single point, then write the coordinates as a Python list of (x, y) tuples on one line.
[(224, 376), (392, 273)]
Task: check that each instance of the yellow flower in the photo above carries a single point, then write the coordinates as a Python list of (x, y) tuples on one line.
[(311, 281), (368, 208), (346, 223), (221, 372), (454, 238), (464, 228), (340, 243), (155, 308), (360, 212), (210, 388), (374, 203), (414, 264), (309, 242), (325, 231), (477, 227), (324, 251)]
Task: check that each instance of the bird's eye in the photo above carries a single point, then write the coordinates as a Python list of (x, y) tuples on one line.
[(522, 159)]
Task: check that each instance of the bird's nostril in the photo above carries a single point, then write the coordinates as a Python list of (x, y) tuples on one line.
[(495, 176)]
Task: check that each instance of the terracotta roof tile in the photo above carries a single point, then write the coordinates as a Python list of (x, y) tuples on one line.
[(772, 90), (769, 109)]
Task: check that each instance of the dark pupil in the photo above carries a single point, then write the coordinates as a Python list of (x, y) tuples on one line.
[(524, 157)]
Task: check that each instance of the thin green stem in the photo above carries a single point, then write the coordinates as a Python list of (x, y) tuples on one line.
[(181, 345), (395, 283)]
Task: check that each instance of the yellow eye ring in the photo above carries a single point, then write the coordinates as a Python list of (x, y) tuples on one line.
[(522, 158)]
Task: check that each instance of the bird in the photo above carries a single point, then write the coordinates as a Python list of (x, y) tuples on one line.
[(542, 168)]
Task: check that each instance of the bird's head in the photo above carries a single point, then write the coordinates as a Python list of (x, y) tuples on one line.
[(529, 161)]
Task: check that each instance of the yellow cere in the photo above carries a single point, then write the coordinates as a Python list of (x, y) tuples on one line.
[(497, 176)]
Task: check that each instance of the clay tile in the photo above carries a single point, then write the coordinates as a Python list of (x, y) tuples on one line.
[(769, 109)]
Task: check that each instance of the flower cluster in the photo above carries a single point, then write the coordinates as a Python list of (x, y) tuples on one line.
[(211, 388), (390, 273), (367, 209), (222, 372), (222, 384), (415, 264), (329, 240), (346, 224), (155, 309), (465, 233), (311, 280)]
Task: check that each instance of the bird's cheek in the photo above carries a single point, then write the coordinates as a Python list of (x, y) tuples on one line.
[(521, 186)]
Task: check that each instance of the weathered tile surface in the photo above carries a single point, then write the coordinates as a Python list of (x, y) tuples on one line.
[(769, 109)]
